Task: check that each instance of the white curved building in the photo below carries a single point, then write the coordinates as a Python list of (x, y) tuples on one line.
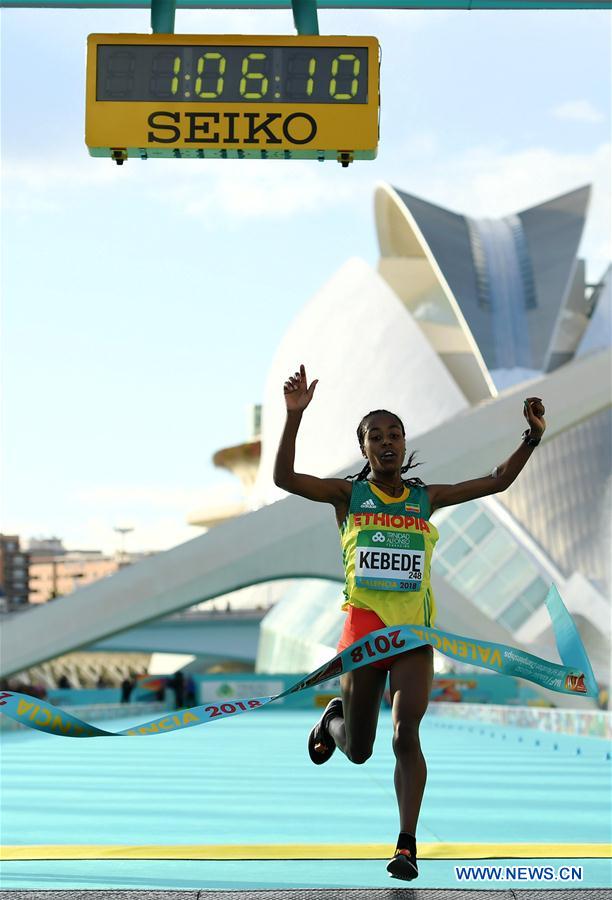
[(355, 337)]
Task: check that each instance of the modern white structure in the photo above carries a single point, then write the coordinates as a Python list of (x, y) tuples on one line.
[(459, 322)]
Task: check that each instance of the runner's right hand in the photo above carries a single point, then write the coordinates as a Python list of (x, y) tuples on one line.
[(297, 394)]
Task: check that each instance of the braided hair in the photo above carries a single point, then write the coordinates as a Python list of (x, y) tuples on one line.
[(361, 430)]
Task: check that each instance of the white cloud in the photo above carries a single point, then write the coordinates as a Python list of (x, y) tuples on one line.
[(578, 111), (29, 187), (157, 513), (236, 189), (153, 532), (78, 172), (489, 181), (256, 189), (154, 529), (129, 496)]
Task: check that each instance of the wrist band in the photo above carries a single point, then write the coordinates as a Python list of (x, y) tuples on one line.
[(529, 440)]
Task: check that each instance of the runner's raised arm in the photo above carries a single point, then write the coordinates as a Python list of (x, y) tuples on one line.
[(326, 490)]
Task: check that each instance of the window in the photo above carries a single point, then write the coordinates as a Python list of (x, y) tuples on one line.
[(534, 594), (497, 548), (517, 572), (438, 565), (500, 590), (463, 514), (491, 598), (455, 551), (471, 574), (446, 532), (479, 528), (514, 616)]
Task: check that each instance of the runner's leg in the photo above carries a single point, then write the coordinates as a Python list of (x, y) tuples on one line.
[(410, 683), (362, 692)]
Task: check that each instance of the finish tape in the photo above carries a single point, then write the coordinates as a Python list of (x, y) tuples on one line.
[(575, 676)]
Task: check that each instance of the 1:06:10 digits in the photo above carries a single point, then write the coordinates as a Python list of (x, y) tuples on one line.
[(323, 78), (254, 84)]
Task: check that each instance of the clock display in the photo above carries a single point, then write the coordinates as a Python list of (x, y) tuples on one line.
[(226, 96), (232, 74)]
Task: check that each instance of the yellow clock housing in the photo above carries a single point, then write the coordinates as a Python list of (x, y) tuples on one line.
[(232, 96)]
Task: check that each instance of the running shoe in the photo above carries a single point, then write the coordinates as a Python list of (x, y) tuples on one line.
[(403, 865), (320, 737)]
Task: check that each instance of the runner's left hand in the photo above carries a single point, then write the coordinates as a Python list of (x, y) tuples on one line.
[(533, 410)]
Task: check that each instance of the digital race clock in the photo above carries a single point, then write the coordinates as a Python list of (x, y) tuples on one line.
[(229, 96)]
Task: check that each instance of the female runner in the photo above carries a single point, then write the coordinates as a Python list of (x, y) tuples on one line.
[(378, 506)]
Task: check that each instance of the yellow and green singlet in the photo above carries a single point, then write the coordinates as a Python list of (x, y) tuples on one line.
[(387, 544)]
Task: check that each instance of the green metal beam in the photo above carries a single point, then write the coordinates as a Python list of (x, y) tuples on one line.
[(322, 4), (305, 16), (162, 16)]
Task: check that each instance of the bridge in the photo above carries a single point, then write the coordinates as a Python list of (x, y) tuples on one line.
[(212, 636)]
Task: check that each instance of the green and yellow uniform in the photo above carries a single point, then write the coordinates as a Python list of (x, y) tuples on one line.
[(387, 543)]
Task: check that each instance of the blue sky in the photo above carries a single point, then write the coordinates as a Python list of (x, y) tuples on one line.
[(142, 304)]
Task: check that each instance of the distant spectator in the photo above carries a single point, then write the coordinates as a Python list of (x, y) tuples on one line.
[(177, 684), (603, 699), (64, 682), (39, 690), (102, 682), (32, 690), (190, 691), (127, 686)]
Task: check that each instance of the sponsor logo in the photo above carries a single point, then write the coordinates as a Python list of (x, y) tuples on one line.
[(369, 504), (379, 537), (209, 127), (576, 683)]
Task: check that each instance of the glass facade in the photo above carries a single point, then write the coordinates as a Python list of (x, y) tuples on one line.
[(530, 598), (302, 630), (479, 557), (563, 499)]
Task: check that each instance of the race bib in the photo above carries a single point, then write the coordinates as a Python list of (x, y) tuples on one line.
[(389, 560)]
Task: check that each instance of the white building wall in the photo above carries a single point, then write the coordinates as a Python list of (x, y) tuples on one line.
[(355, 336)]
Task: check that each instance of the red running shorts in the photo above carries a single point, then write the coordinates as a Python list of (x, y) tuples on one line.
[(360, 622)]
